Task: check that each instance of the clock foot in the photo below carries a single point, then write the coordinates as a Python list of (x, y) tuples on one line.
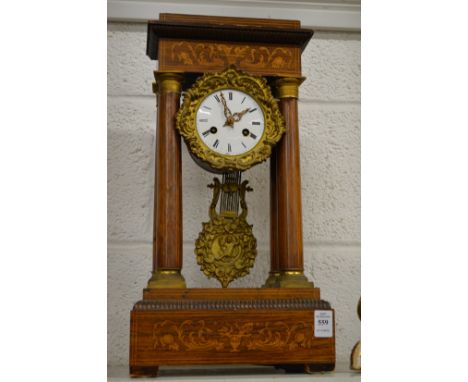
[(144, 371), (306, 368), (314, 368)]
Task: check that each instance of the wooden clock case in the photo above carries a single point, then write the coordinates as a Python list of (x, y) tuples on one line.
[(273, 325)]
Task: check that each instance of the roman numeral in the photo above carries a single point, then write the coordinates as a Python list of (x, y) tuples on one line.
[(207, 107), (251, 111), (253, 136), (217, 98), (203, 120), (216, 143), (243, 144), (206, 133), (256, 123), (229, 147), (230, 96), (243, 100)]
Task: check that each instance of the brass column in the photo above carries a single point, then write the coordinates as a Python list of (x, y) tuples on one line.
[(167, 226), (286, 219)]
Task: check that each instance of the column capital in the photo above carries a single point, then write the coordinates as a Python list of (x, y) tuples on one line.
[(167, 82), (288, 87)]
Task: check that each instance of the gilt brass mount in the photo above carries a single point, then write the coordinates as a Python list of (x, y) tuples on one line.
[(167, 82), (258, 89), (166, 278), (226, 248), (288, 87)]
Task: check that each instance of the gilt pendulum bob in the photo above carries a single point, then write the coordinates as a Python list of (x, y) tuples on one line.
[(226, 247), (239, 80)]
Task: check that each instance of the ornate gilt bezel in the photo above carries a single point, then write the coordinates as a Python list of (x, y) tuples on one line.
[(230, 78)]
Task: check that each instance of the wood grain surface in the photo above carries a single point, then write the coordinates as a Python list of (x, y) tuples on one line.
[(288, 192), (271, 326), (167, 226), (231, 21)]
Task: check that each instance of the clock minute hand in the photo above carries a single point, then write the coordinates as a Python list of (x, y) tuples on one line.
[(227, 113)]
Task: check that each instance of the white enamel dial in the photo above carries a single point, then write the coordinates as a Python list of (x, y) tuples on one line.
[(230, 122)]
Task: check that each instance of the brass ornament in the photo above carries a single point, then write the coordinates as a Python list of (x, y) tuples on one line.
[(293, 279), (166, 278), (356, 352), (288, 87), (230, 78), (226, 248), (167, 82)]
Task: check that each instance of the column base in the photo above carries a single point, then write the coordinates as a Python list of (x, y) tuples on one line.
[(293, 279), (272, 280), (166, 278)]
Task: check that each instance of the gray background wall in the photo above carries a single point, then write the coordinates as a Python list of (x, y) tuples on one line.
[(329, 110)]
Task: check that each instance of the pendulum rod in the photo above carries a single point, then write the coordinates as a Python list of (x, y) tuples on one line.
[(229, 205)]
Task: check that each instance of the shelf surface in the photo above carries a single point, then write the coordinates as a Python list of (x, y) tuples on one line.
[(234, 373)]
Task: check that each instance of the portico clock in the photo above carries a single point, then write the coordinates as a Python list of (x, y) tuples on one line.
[(226, 70)]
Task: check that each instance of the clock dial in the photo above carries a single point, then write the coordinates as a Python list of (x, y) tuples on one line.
[(230, 122)]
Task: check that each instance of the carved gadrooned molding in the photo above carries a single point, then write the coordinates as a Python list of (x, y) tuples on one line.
[(286, 304)]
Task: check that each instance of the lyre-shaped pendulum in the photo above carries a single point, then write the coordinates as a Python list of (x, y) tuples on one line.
[(226, 247)]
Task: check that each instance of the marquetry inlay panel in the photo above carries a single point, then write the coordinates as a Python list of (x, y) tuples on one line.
[(165, 338), (203, 56)]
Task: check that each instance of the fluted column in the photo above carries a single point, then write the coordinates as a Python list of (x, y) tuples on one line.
[(167, 226), (286, 215)]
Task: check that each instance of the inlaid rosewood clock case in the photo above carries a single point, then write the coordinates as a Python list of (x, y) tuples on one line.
[(277, 324)]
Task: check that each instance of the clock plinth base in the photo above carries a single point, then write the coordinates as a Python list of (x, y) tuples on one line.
[(264, 326)]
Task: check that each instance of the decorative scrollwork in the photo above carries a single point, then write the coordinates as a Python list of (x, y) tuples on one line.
[(200, 335), (190, 53), (258, 89)]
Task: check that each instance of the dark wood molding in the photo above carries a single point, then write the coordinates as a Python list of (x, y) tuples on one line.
[(267, 33), (229, 21)]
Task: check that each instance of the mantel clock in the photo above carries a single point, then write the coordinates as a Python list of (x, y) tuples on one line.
[(239, 81)]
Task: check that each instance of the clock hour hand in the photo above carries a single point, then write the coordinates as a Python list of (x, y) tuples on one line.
[(238, 116)]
